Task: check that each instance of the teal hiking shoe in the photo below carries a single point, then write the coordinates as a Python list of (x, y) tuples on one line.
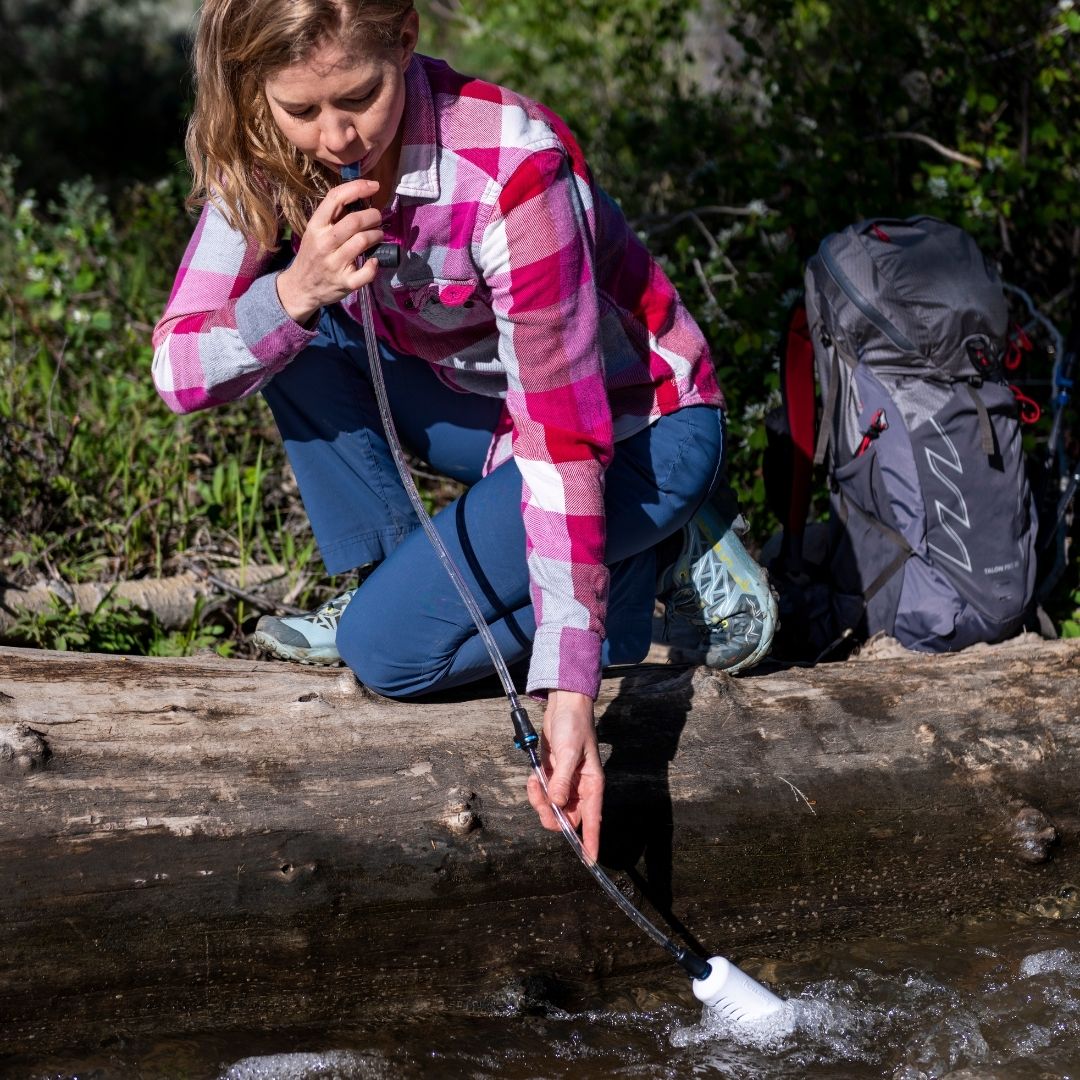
[(304, 639), (719, 608)]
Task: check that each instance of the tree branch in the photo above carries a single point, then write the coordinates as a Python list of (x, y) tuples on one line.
[(944, 151), (755, 208)]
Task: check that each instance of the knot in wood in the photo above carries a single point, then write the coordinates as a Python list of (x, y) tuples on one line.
[(461, 814), (709, 683), (22, 750)]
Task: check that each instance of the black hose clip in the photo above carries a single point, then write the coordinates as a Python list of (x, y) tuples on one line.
[(387, 256), (695, 966), (525, 737)]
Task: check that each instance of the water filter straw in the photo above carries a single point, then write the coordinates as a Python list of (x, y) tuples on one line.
[(718, 983), (732, 993)]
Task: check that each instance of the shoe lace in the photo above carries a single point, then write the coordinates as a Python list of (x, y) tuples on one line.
[(328, 615), (685, 603), (710, 578)]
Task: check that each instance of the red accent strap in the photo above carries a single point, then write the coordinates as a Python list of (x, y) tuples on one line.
[(800, 404), (1029, 410), (881, 234), (1019, 344)]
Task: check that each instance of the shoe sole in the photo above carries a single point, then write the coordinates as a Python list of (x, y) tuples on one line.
[(312, 657), (751, 578)]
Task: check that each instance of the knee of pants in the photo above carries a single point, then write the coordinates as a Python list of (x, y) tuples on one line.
[(386, 659)]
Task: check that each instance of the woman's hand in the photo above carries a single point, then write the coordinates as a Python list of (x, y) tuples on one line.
[(571, 761), (324, 270)]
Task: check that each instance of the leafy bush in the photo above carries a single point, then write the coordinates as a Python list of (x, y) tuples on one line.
[(92, 87), (98, 480), (114, 627)]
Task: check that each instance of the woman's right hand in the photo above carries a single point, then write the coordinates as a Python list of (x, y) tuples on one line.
[(324, 270)]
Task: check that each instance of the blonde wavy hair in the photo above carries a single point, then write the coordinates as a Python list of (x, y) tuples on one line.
[(237, 155)]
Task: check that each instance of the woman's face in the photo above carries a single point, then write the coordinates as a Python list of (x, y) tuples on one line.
[(341, 106)]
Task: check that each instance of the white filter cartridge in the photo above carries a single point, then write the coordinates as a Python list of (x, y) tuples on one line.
[(734, 994)]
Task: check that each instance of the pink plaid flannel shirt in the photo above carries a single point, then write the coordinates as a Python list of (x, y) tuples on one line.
[(519, 279)]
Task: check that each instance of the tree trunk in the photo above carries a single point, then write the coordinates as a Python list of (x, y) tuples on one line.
[(196, 844)]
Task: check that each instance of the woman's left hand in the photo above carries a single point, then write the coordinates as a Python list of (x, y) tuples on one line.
[(571, 761)]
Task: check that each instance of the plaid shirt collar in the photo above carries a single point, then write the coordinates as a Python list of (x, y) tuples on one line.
[(418, 166)]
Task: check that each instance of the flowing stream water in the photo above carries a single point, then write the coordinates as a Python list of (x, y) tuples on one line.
[(989, 999)]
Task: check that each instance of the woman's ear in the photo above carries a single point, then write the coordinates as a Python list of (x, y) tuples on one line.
[(410, 35)]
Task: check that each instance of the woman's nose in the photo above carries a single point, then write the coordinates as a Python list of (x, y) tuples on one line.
[(339, 133)]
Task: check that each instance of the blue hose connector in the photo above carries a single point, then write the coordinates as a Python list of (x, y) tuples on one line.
[(525, 737)]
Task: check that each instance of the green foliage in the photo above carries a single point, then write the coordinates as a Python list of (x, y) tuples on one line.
[(98, 481), (92, 87), (734, 133), (603, 65), (114, 626)]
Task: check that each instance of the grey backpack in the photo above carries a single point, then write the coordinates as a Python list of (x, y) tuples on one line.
[(932, 534)]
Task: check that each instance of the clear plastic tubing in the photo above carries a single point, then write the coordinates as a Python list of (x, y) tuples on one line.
[(692, 963), (485, 632)]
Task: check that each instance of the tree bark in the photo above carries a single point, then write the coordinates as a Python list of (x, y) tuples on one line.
[(196, 844)]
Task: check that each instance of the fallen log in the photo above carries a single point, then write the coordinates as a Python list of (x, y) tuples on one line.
[(173, 601), (196, 844)]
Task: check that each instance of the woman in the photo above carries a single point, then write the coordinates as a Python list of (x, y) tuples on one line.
[(531, 348)]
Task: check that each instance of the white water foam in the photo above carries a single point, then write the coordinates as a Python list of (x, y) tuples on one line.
[(331, 1065), (868, 1019), (1058, 961)]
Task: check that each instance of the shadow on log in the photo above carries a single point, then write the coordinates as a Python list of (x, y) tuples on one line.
[(196, 844)]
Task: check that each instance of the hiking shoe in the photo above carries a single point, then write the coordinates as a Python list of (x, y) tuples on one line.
[(305, 639), (718, 606)]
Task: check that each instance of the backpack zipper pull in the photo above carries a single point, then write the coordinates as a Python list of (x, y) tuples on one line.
[(878, 424)]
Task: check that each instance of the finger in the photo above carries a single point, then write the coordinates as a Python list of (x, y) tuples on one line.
[(353, 221), (561, 784), (365, 275), (361, 201), (590, 826), (538, 801), (360, 224), (354, 246), (353, 191), (338, 197)]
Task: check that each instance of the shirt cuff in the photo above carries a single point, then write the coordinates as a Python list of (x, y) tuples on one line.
[(266, 328), (565, 658)]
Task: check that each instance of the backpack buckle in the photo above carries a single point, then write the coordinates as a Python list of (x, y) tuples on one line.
[(983, 361)]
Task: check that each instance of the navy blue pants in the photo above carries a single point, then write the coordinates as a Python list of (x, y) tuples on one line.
[(406, 631)]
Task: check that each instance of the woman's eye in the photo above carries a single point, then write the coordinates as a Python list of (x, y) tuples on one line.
[(303, 114)]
